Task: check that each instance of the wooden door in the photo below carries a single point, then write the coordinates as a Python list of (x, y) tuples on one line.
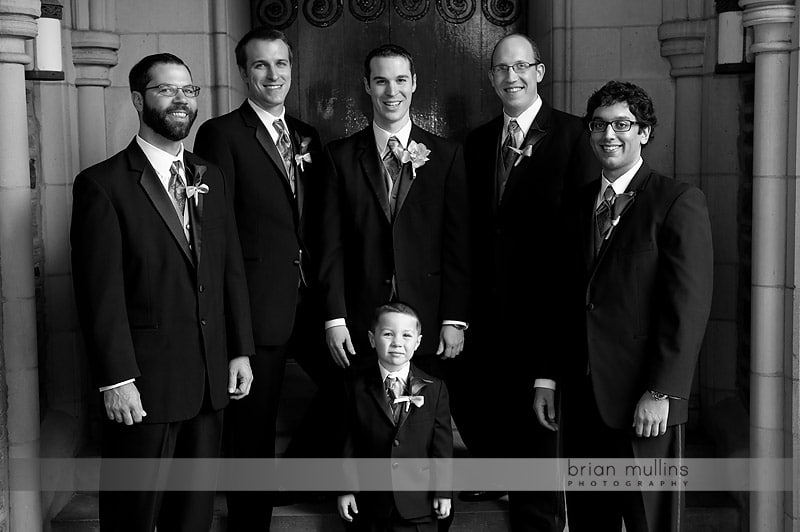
[(450, 40)]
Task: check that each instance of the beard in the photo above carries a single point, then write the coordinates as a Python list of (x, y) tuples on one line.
[(161, 123)]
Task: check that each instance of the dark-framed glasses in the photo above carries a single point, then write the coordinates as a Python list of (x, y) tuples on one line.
[(190, 91), (519, 68), (619, 126)]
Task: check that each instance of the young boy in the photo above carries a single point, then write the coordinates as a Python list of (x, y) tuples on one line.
[(415, 426)]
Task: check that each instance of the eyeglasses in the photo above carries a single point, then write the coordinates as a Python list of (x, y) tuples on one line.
[(619, 126), (190, 91), (519, 68)]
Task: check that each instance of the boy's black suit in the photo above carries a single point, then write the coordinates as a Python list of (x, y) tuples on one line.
[(421, 432)]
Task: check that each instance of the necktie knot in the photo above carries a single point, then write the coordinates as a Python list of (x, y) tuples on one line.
[(609, 194), (513, 131), (603, 215)]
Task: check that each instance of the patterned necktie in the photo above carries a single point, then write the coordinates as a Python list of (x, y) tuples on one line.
[(285, 149), (390, 160), (603, 215), (177, 187), (512, 141), (394, 389)]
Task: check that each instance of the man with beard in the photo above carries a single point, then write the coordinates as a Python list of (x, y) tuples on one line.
[(162, 300)]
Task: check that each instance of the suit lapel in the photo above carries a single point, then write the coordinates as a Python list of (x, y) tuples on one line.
[(299, 182), (372, 168), (637, 185), (194, 175), (155, 192), (536, 134), (264, 139), (406, 176), (376, 390)]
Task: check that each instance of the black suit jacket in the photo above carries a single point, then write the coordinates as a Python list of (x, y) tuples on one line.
[(638, 311), (152, 307), (514, 243), (425, 246), (275, 230), (421, 432)]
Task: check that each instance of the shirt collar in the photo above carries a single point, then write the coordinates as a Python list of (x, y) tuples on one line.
[(382, 136), (525, 118), (401, 374), (160, 160), (620, 184), (268, 118)]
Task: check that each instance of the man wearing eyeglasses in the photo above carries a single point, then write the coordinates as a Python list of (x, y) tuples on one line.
[(519, 165), (162, 301), (270, 162), (639, 257)]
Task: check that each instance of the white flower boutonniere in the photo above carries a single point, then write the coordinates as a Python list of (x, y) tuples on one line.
[(199, 187), (303, 157), (416, 154), (526, 151), (417, 385)]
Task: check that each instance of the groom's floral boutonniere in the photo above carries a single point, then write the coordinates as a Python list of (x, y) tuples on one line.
[(525, 151), (417, 154), (303, 157), (417, 385), (199, 187), (621, 204)]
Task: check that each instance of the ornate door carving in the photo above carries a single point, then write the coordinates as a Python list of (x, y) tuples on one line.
[(450, 40)]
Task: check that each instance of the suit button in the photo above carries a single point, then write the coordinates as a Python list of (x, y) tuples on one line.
[(396, 443), (387, 281), (188, 227), (203, 322), (590, 307), (395, 465), (190, 246), (201, 288), (296, 262)]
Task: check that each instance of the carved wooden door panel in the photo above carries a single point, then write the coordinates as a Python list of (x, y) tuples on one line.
[(450, 40)]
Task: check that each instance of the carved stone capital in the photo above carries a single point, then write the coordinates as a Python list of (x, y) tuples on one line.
[(771, 21), (17, 24), (683, 43), (94, 53)]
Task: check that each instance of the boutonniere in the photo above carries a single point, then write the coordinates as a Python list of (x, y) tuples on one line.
[(199, 187), (417, 385), (417, 154), (303, 157), (621, 204), (526, 151)]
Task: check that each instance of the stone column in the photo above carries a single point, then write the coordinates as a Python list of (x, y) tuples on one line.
[(771, 21), (94, 53), (19, 375), (682, 43)]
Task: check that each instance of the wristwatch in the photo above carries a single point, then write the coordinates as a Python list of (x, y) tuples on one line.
[(657, 396)]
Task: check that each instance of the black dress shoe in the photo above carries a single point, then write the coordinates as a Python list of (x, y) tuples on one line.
[(475, 496)]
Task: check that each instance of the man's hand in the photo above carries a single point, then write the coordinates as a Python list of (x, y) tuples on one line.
[(338, 339), (650, 416), (240, 377), (123, 404), (441, 506), (344, 503), (544, 404), (451, 341)]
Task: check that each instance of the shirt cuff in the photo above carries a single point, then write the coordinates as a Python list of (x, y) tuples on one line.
[(106, 388), (550, 384), (459, 324), (336, 322)]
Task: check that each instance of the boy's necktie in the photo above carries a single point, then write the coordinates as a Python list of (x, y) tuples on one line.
[(394, 389)]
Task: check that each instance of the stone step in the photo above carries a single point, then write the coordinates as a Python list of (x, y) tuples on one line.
[(705, 512)]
